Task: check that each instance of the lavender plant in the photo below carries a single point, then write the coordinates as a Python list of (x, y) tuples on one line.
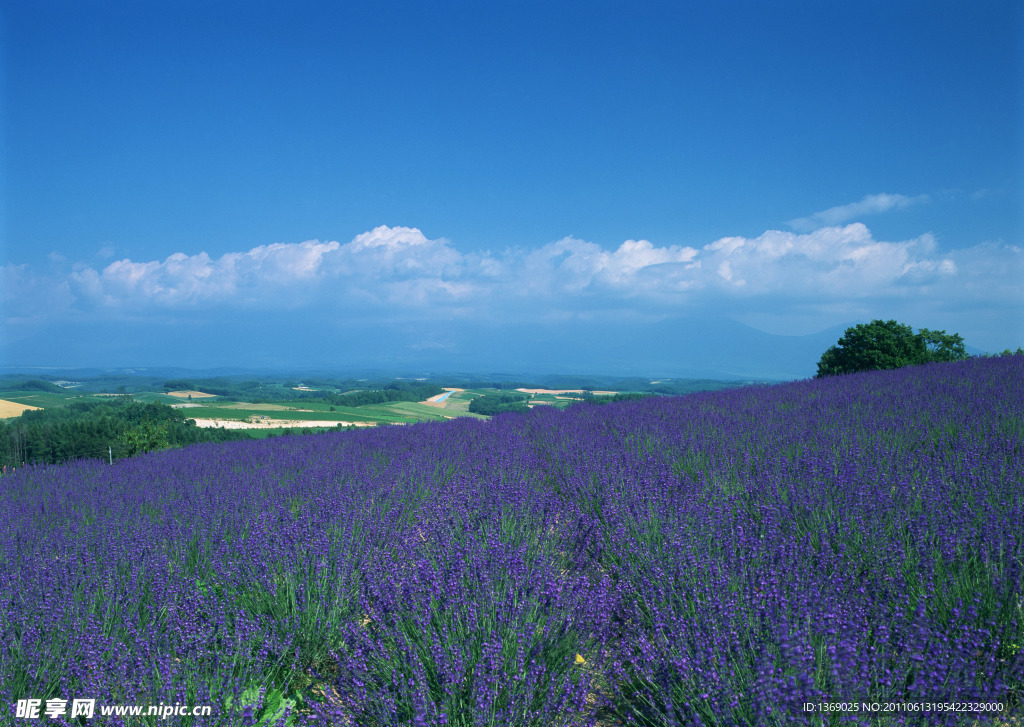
[(723, 558)]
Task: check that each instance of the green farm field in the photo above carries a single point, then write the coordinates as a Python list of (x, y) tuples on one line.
[(42, 399)]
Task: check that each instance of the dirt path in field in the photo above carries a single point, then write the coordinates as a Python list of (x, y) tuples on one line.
[(441, 400), (10, 409), (193, 394)]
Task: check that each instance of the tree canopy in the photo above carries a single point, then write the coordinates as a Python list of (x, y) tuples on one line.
[(492, 404), (118, 427), (889, 345)]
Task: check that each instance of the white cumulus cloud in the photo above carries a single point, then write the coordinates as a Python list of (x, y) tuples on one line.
[(571, 265), (831, 263), (286, 274), (395, 271)]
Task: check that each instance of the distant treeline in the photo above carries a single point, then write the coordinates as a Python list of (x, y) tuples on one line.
[(118, 427), (397, 391), (30, 385), (317, 388), (500, 385)]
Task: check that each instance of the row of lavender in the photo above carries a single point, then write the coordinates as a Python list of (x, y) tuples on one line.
[(719, 558)]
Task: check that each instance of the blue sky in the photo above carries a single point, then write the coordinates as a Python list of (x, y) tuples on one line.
[(791, 166)]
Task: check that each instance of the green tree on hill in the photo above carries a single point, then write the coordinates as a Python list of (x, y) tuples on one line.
[(144, 438), (888, 345), (942, 346)]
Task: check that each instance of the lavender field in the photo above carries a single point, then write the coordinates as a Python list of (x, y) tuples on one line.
[(714, 559)]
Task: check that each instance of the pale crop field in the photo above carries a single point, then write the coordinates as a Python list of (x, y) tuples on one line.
[(10, 409)]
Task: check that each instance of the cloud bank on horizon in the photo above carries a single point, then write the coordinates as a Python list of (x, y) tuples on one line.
[(829, 271)]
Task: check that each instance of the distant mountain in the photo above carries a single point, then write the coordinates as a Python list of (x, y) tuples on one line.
[(713, 348), (690, 348)]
